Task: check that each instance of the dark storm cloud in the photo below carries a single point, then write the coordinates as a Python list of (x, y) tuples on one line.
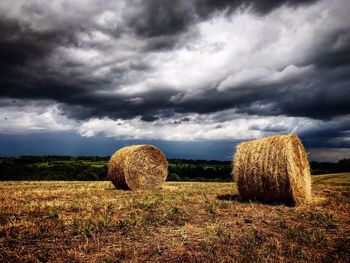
[(20, 45), (323, 95), (27, 72), (206, 7), (336, 50), (320, 101), (89, 105), (124, 80), (160, 43), (158, 17), (168, 17), (331, 136), (160, 22)]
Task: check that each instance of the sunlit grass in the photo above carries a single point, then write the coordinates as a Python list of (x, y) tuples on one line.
[(333, 179), (207, 222)]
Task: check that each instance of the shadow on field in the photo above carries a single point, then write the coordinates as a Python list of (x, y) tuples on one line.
[(229, 197), (237, 198), (117, 189)]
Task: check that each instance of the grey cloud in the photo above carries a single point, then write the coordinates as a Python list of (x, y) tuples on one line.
[(33, 71), (261, 7), (329, 135), (160, 43), (335, 51), (276, 128), (156, 17), (27, 72), (167, 17)]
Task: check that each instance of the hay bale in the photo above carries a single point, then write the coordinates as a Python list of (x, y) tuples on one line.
[(138, 167), (273, 169)]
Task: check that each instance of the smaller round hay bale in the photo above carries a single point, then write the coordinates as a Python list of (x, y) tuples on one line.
[(273, 169), (138, 167)]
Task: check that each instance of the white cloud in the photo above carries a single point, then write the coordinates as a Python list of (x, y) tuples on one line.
[(33, 118), (223, 52), (265, 76), (244, 49), (196, 127)]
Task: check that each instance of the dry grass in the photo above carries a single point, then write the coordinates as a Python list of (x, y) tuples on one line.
[(138, 167), (273, 169), (182, 222)]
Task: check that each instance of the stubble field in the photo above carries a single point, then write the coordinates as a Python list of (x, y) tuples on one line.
[(56, 221)]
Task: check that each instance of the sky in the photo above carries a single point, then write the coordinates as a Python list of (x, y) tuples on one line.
[(194, 77)]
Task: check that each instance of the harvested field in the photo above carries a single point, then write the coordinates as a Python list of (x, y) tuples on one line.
[(207, 222)]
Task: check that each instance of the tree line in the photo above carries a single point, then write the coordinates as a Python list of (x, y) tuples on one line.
[(87, 168)]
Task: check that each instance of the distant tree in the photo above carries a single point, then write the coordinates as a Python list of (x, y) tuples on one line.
[(173, 177)]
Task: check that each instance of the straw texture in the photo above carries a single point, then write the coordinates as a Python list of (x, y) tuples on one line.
[(138, 167), (273, 169)]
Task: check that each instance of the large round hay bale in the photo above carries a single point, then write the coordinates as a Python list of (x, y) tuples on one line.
[(273, 169), (138, 167)]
